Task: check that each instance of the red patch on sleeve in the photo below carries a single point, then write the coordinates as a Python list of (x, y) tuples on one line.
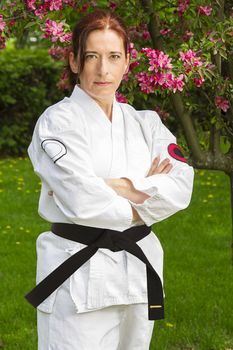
[(175, 152)]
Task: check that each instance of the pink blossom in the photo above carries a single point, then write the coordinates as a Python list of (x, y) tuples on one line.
[(183, 6), (157, 59), (56, 52), (54, 5), (187, 35), (112, 5), (2, 23), (146, 35), (54, 31), (159, 78), (190, 60), (41, 12), (2, 42), (69, 2), (133, 51), (84, 7), (178, 83), (161, 75), (133, 65), (31, 4), (144, 82), (231, 33), (63, 83), (165, 31), (11, 23), (204, 10), (198, 81), (222, 103), (120, 97), (66, 37)]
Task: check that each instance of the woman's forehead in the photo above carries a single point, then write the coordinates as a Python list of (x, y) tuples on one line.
[(107, 40)]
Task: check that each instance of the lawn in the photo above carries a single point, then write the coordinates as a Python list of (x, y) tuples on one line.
[(197, 270)]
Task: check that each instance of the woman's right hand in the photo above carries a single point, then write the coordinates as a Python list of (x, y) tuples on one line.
[(163, 168)]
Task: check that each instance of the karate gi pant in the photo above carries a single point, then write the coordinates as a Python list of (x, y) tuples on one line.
[(116, 327)]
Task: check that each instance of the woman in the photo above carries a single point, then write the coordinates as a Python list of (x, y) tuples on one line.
[(108, 173)]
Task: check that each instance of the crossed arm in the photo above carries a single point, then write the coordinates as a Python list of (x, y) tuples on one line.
[(124, 187)]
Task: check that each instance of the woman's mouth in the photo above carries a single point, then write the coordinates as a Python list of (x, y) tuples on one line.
[(102, 83)]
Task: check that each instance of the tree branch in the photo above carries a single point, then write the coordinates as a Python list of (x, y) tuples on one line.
[(188, 127), (215, 141), (153, 24)]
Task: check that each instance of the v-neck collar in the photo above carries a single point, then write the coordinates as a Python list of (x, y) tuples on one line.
[(90, 105)]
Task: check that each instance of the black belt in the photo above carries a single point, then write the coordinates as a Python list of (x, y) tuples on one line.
[(96, 238)]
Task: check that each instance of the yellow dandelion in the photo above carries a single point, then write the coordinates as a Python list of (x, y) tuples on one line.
[(204, 200), (28, 231), (8, 226), (168, 324), (210, 195), (21, 228), (19, 188), (208, 183), (17, 242), (209, 215)]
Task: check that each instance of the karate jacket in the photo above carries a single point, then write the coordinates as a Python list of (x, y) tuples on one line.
[(73, 148)]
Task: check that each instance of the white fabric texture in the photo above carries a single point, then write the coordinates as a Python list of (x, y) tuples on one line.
[(73, 148), (118, 327)]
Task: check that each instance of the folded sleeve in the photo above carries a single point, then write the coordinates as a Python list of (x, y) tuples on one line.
[(62, 159), (169, 192)]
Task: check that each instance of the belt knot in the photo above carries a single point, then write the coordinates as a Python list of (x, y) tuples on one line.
[(108, 239)]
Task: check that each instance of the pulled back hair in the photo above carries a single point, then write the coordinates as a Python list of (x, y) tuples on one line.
[(98, 20)]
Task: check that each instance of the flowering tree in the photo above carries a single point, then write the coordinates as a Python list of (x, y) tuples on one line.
[(181, 62)]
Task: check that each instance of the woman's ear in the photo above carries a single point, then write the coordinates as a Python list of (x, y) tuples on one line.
[(127, 63), (73, 63)]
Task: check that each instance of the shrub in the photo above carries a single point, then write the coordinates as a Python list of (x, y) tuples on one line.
[(27, 87)]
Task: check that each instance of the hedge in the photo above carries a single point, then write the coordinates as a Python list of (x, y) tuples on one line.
[(27, 87)]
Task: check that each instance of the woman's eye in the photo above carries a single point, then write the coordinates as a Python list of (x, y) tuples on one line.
[(115, 57), (90, 56)]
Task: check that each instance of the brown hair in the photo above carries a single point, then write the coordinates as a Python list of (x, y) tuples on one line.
[(99, 19)]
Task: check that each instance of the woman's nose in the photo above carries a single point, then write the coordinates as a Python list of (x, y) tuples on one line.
[(103, 67)]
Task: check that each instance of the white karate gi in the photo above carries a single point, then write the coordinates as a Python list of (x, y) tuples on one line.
[(73, 148)]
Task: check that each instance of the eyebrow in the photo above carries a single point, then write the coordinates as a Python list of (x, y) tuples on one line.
[(110, 52)]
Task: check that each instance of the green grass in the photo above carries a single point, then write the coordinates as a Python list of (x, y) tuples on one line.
[(197, 267)]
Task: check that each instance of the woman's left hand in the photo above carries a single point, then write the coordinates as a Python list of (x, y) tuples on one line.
[(125, 188)]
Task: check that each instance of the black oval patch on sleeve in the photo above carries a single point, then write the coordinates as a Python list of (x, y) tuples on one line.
[(54, 148), (175, 152)]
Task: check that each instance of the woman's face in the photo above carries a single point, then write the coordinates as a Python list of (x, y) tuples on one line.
[(105, 64)]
